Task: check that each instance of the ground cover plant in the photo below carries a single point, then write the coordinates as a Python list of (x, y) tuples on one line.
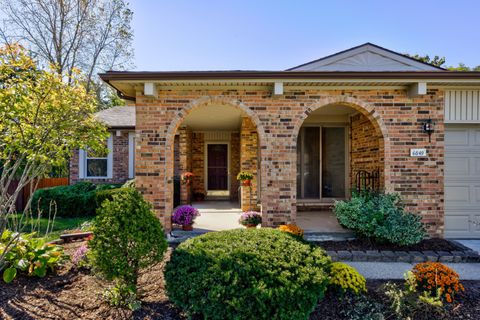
[(247, 274), (29, 255), (381, 217), (127, 237)]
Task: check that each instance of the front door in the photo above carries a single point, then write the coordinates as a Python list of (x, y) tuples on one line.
[(217, 167)]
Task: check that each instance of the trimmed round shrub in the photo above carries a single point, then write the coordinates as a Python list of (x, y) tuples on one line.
[(347, 279), (380, 216), (127, 237), (247, 274)]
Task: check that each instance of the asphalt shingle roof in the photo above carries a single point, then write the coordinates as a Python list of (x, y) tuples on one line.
[(118, 117)]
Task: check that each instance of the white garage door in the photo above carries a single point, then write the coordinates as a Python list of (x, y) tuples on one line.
[(462, 181)]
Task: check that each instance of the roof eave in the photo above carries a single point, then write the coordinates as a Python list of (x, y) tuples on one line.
[(282, 75)]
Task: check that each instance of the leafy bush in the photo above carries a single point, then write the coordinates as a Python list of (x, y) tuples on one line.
[(291, 228), (29, 255), (76, 200), (436, 277), (409, 302), (347, 278), (380, 216), (247, 274), (106, 194), (128, 237)]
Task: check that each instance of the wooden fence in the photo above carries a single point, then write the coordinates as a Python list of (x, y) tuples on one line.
[(43, 183)]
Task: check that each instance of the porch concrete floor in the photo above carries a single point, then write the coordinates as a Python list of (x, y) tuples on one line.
[(217, 215), (319, 221), (224, 215)]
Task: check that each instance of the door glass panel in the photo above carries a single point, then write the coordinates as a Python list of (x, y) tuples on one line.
[(217, 167), (333, 162), (311, 160)]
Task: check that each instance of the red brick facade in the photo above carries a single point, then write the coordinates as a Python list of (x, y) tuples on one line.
[(395, 124), (119, 161)]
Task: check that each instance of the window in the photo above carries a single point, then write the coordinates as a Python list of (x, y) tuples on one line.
[(96, 165)]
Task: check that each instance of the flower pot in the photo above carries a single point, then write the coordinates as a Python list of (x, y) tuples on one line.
[(250, 226), (187, 227), (246, 183)]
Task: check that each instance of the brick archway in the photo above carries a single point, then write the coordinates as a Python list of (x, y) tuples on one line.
[(249, 117), (205, 101), (365, 109)]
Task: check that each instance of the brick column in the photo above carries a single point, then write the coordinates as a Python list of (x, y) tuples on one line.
[(185, 163), (249, 162)]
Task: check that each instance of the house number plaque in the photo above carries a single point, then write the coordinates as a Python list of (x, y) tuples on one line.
[(418, 152)]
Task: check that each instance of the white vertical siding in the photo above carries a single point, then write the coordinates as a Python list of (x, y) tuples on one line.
[(462, 106)]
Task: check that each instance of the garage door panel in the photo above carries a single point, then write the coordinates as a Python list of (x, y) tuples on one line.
[(476, 134), (462, 181), (456, 138), (457, 194), (457, 166), (457, 223)]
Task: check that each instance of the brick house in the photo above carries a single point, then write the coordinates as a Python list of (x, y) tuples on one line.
[(364, 116)]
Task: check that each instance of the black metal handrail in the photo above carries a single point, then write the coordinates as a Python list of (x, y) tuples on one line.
[(367, 180)]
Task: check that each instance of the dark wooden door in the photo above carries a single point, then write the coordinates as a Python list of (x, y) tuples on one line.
[(217, 166)]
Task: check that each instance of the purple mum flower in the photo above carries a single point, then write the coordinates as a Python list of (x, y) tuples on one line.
[(185, 215)]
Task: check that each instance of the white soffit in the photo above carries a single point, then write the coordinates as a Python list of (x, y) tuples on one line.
[(213, 117), (367, 57)]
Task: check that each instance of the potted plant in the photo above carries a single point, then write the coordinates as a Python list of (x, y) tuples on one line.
[(186, 178), (250, 219), (245, 177), (185, 216), (199, 196)]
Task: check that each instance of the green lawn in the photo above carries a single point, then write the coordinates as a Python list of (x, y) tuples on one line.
[(55, 227)]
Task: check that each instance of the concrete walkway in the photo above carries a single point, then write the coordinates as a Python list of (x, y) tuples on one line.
[(396, 270), (472, 244)]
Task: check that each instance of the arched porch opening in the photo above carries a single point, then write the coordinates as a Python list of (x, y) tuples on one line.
[(340, 148), (215, 139)]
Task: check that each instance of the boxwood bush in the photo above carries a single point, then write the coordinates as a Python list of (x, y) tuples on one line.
[(127, 237), (380, 216), (247, 274), (76, 200)]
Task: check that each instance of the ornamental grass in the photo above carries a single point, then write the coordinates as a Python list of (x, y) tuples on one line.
[(433, 276)]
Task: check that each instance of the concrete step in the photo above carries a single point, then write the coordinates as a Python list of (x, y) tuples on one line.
[(318, 237), (314, 206)]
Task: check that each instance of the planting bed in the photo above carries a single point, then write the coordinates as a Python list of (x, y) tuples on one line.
[(74, 294)]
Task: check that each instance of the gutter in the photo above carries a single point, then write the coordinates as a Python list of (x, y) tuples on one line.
[(283, 75)]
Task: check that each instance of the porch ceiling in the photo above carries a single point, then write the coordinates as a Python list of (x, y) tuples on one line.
[(214, 118)]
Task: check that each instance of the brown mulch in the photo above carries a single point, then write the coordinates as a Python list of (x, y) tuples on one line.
[(73, 294), (466, 305), (363, 244)]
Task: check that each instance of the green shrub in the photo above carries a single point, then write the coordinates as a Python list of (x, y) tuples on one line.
[(381, 217), (127, 237), (76, 200), (347, 279), (29, 255), (247, 274), (102, 195)]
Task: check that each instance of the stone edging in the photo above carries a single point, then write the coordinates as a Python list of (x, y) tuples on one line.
[(405, 256)]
